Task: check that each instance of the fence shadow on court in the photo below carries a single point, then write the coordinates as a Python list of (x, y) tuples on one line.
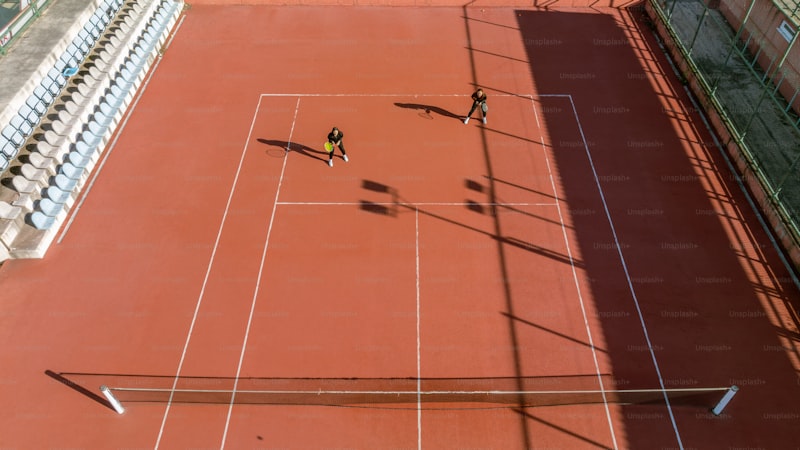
[(664, 233), (396, 205)]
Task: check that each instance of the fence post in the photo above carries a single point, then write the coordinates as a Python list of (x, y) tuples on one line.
[(735, 39), (697, 30)]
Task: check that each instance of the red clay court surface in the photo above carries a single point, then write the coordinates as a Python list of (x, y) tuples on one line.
[(590, 236)]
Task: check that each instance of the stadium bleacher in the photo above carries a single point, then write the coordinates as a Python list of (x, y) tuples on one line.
[(56, 125)]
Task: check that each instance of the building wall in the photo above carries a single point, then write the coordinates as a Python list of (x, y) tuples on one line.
[(766, 43)]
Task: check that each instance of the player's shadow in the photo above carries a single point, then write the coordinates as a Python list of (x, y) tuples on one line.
[(426, 110), (295, 147)]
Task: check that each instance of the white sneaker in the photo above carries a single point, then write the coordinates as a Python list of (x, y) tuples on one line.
[(484, 120), (466, 121), (345, 158), (330, 163)]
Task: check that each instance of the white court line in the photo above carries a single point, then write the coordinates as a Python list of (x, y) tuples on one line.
[(258, 280), (117, 133), (420, 392), (207, 276), (419, 341), (412, 205), (388, 95), (577, 283), (627, 275)]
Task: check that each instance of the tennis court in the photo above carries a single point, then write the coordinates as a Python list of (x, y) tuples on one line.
[(234, 291)]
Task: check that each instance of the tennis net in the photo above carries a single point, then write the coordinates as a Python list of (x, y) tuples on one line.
[(433, 393)]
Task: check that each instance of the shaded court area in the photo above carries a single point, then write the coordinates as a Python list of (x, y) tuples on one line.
[(696, 266), (235, 291)]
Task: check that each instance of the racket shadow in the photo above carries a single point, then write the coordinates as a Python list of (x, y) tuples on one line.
[(298, 148), (429, 109)]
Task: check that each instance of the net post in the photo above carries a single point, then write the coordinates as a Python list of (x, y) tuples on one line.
[(111, 399), (717, 410)]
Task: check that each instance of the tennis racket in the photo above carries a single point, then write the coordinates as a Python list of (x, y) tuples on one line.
[(328, 146)]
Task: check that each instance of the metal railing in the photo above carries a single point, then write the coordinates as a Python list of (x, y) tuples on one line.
[(17, 25), (754, 90)]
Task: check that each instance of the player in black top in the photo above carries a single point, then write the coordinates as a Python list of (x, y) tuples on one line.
[(335, 138), (478, 98)]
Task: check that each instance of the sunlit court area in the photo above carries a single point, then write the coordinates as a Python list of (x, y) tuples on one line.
[(298, 224)]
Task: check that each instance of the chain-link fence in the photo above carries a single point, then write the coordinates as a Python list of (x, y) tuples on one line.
[(747, 76)]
